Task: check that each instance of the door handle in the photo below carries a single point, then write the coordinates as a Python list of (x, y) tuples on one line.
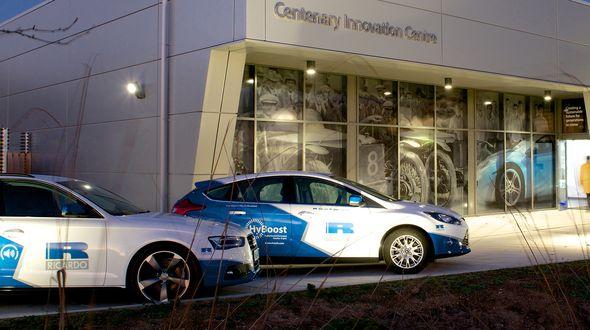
[(13, 232), (237, 212)]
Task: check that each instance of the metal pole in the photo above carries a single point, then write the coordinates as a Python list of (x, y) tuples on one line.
[(163, 107), (4, 149)]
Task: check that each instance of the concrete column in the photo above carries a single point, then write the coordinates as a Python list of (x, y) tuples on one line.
[(220, 107)]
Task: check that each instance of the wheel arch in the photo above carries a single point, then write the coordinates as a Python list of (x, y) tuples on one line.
[(409, 226), (163, 244)]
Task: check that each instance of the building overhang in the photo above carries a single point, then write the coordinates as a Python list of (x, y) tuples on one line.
[(295, 57)]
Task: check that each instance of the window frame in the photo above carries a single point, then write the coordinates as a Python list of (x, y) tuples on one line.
[(97, 214)]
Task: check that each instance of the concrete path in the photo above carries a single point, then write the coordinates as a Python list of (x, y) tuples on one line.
[(497, 241)]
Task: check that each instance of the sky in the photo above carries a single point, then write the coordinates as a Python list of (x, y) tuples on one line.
[(11, 8)]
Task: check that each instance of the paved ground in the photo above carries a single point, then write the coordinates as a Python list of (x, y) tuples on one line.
[(498, 241)]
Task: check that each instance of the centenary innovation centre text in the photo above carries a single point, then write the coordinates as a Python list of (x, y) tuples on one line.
[(336, 22)]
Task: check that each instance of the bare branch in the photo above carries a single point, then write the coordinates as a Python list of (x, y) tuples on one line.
[(30, 33)]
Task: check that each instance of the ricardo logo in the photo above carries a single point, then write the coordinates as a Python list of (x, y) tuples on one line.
[(71, 256)]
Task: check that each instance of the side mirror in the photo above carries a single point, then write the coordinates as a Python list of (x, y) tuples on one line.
[(355, 200)]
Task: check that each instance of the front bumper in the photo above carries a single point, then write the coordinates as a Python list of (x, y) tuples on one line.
[(233, 272), (446, 246), (227, 272)]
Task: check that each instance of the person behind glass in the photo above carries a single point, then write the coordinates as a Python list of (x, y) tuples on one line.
[(585, 178)]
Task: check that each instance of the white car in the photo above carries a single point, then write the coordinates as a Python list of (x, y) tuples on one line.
[(51, 225), (302, 216)]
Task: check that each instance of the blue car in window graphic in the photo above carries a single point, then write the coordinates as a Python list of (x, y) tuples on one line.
[(508, 179), (310, 217)]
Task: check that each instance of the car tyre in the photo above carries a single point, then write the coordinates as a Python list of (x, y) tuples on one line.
[(162, 273), (406, 251), (516, 186)]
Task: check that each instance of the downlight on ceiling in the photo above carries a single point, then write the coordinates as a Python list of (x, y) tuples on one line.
[(448, 83), (547, 96), (310, 68)]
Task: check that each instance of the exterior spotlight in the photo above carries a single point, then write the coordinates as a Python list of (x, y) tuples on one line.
[(310, 68), (487, 103), (250, 76), (387, 93), (448, 83), (136, 89), (547, 96)]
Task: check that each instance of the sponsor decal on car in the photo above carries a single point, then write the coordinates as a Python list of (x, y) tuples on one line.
[(56, 253), (260, 230), (339, 228)]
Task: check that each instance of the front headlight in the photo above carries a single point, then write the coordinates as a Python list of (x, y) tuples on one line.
[(226, 242), (444, 218)]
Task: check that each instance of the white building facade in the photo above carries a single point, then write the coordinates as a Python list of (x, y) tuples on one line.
[(234, 94)]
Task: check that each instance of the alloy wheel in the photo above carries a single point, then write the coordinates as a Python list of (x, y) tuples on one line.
[(163, 275), (406, 251)]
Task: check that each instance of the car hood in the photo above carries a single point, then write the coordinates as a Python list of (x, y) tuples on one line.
[(413, 207), (171, 220)]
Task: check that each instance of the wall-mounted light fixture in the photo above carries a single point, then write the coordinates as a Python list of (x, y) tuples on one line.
[(387, 93), (136, 89), (448, 83), (310, 68), (547, 96), (487, 102)]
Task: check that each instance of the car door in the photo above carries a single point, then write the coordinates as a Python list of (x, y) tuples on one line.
[(262, 205), (47, 229), (323, 222)]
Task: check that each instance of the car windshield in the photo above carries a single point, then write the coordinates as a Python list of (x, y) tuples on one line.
[(108, 201), (368, 190)]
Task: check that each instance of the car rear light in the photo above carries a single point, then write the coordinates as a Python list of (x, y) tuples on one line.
[(185, 206)]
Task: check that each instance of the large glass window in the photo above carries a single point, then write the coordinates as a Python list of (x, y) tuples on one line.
[(516, 185), (295, 127), (544, 171), (451, 170), (377, 102), (325, 98), (279, 93), (516, 113), (325, 148), (451, 108), (490, 162), (416, 105), (243, 147), (416, 165), (411, 139), (278, 146), (543, 115), (488, 113), (377, 158)]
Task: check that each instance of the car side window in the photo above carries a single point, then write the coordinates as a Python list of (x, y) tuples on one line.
[(321, 192), (222, 193), (31, 199), (261, 190)]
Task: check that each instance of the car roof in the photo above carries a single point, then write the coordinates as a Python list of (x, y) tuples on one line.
[(49, 178), (253, 176)]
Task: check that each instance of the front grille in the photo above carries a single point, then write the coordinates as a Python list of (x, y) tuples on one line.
[(253, 247), (465, 240)]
